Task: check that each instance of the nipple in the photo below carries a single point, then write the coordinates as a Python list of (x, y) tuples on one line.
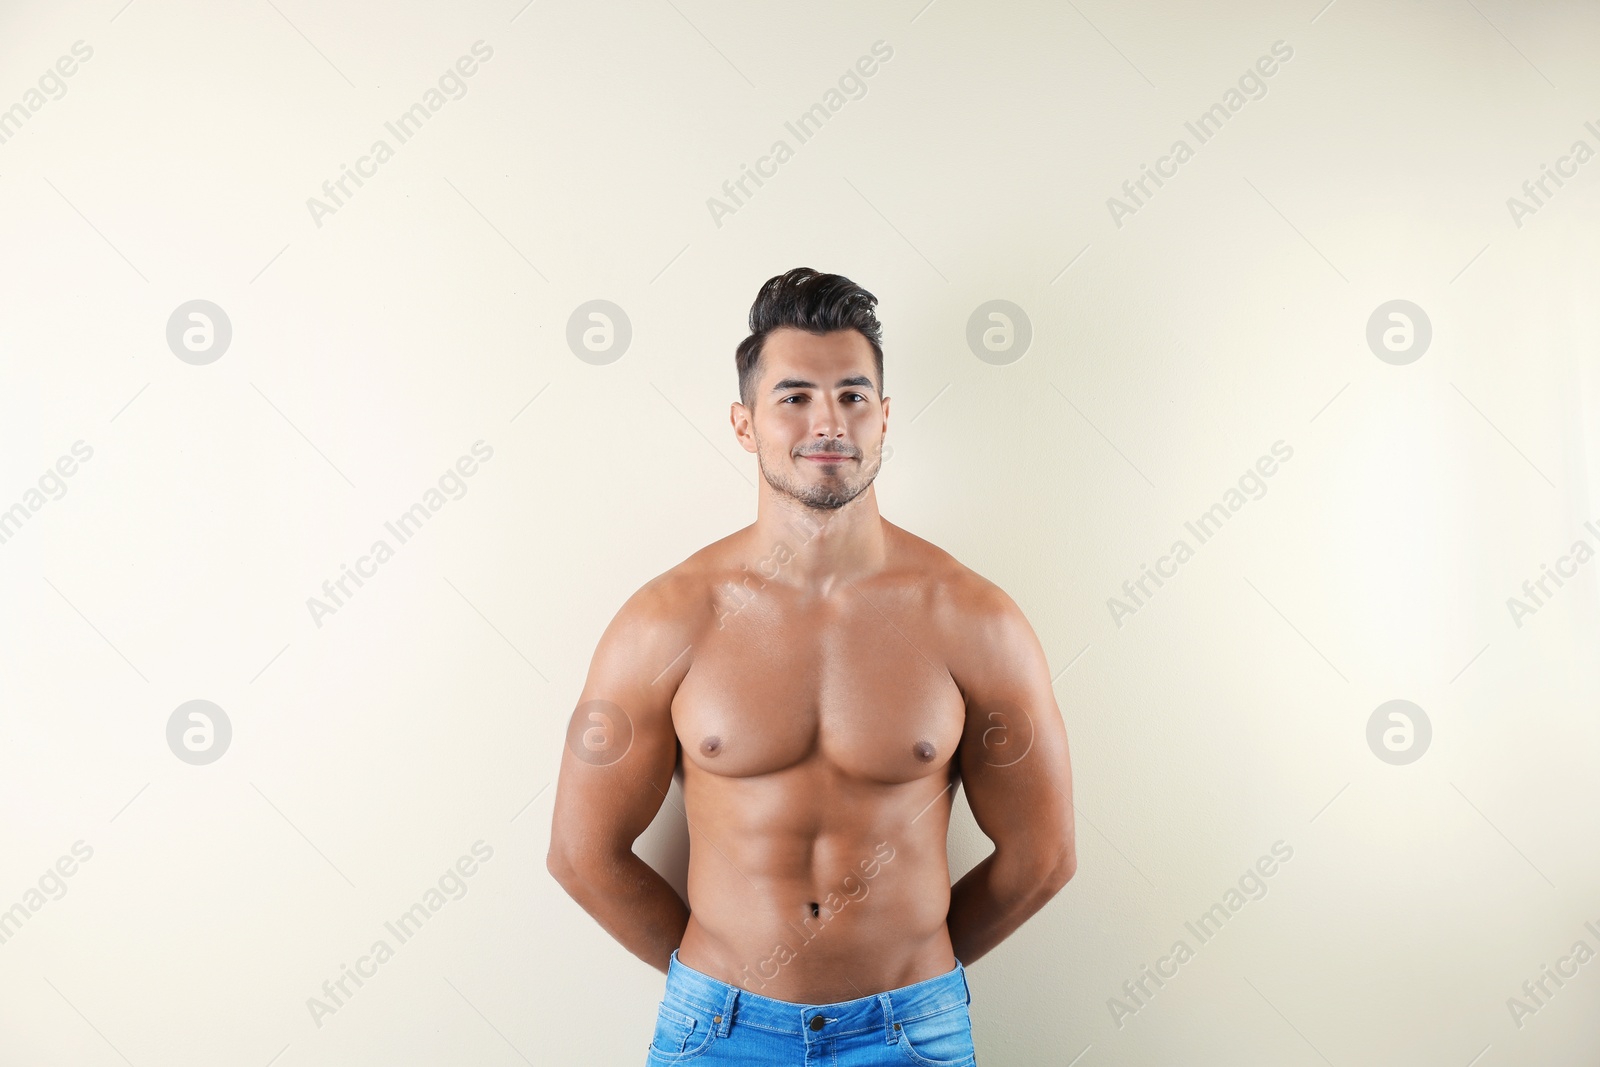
[(923, 750), (711, 745)]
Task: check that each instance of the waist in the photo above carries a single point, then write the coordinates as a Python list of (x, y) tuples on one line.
[(876, 1011)]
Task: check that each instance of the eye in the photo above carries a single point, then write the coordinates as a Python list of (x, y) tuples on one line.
[(858, 396), (792, 396)]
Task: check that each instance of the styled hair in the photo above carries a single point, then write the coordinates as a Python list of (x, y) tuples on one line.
[(806, 300)]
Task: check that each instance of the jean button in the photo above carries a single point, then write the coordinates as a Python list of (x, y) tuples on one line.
[(817, 1022)]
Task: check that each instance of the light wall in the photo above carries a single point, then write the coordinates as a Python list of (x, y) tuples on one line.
[(1174, 340)]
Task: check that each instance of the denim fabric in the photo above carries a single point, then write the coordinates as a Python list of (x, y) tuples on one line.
[(702, 1020)]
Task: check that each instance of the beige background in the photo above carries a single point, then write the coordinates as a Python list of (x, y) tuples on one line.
[(429, 312)]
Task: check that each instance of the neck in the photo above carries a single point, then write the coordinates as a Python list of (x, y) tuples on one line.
[(825, 546)]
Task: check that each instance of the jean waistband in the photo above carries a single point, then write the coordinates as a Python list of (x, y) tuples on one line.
[(877, 1012)]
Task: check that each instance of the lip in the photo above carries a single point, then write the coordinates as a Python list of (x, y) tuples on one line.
[(828, 457)]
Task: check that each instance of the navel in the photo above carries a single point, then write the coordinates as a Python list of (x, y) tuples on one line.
[(711, 745), (923, 750)]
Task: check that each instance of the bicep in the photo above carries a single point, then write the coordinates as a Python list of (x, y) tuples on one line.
[(621, 748), (1015, 764)]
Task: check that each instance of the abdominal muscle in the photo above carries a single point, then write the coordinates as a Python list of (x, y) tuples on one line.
[(759, 860)]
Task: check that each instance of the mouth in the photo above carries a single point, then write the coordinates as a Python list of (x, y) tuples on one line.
[(827, 457)]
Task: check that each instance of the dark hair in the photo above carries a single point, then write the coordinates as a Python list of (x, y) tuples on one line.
[(807, 300)]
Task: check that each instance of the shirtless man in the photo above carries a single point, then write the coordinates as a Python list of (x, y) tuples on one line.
[(821, 680)]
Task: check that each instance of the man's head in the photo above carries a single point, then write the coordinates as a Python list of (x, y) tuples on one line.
[(811, 383), (804, 299)]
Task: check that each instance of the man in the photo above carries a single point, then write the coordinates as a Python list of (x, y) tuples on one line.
[(821, 680)]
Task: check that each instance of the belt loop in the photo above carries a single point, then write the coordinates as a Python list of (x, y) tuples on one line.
[(965, 984), (886, 1002), (726, 1018)]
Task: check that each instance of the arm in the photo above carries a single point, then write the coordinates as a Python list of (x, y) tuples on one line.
[(616, 767), (1017, 774)]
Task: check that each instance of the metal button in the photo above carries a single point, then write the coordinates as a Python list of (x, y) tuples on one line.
[(818, 1022), (716, 1018)]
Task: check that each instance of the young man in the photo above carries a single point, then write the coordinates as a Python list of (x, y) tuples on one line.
[(821, 680)]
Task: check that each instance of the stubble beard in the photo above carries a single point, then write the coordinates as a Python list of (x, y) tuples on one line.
[(832, 493)]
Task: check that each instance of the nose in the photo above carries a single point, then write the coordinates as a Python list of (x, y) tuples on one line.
[(828, 420)]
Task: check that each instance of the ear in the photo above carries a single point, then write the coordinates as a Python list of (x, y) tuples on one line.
[(743, 428)]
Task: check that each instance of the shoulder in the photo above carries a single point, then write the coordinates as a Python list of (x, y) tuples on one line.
[(681, 599), (986, 640), (646, 640), (957, 594)]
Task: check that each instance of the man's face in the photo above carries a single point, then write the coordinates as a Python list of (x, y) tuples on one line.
[(816, 422)]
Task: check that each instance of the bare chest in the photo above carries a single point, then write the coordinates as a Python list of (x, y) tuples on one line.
[(857, 684)]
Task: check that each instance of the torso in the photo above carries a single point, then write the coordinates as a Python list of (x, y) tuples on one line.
[(818, 738)]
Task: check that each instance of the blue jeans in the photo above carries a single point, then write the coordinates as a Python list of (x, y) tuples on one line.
[(703, 1020)]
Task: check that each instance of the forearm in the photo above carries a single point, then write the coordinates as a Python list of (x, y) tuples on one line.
[(632, 903), (993, 899)]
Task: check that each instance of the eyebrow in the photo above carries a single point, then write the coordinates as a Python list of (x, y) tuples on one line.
[(857, 381)]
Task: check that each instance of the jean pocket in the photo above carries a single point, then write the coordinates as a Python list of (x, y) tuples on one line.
[(943, 1039), (680, 1035)]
